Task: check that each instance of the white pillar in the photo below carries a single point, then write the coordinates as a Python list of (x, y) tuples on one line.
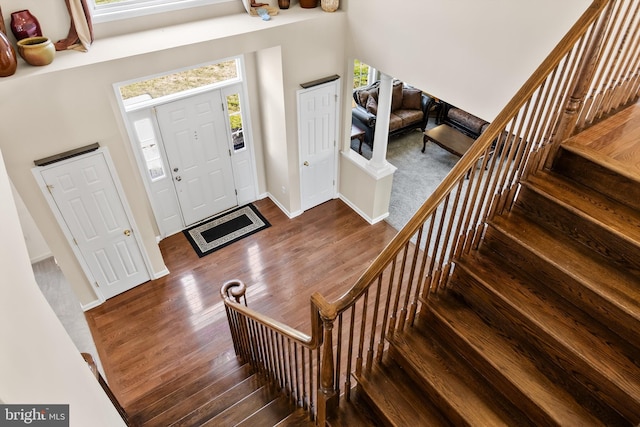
[(381, 137)]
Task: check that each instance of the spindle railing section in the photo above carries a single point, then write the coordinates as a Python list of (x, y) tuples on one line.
[(592, 72)]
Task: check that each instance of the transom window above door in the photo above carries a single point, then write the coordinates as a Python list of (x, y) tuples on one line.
[(182, 83)]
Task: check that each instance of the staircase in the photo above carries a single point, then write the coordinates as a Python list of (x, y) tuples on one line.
[(226, 395), (540, 326)]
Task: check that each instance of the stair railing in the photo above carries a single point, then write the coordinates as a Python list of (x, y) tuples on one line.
[(348, 334)]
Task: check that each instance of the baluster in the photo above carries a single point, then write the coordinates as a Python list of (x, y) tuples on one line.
[(327, 399)]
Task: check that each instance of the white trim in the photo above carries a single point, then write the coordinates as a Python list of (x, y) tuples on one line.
[(41, 257), (283, 209), (164, 272), (104, 152), (92, 304), (135, 8), (366, 217)]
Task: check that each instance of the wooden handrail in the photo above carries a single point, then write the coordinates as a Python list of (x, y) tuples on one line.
[(330, 310), (420, 258)]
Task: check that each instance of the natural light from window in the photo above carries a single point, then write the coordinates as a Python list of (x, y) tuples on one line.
[(109, 10), (182, 81)]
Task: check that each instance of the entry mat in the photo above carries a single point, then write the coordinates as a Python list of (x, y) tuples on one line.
[(223, 230)]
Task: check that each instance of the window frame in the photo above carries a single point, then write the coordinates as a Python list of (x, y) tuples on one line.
[(134, 8)]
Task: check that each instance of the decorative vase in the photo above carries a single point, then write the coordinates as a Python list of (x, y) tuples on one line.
[(3, 29), (308, 4), (8, 60), (329, 5), (283, 4), (24, 24), (37, 50)]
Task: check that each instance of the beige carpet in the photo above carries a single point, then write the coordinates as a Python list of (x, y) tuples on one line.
[(418, 173)]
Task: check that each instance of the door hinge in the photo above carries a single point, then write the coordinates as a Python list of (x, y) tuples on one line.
[(336, 97), (236, 192), (222, 106), (334, 182), (49, 187), (97, 285), (75, 242), (229, 152)]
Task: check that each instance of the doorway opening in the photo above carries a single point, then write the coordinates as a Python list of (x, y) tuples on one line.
[(190, 135)]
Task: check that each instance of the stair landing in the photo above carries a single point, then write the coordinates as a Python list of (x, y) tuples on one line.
[(614, 141)]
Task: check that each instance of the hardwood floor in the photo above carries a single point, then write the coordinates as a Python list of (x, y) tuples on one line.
[(167, 327)]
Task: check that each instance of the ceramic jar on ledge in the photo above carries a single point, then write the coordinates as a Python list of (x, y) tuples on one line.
[(37, 50), (23, 24), (329, 5)]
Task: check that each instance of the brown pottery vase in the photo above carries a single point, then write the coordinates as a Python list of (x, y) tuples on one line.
[(308, 4), (24, 24), (8, 60), (37, 50), (283, 4)]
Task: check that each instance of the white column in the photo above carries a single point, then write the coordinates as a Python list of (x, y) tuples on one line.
[(381, 137)]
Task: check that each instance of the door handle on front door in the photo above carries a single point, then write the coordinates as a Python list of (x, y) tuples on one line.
[(178, 178), (127, 233), (306, 163)]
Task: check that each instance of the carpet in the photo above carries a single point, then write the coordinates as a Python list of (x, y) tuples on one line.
[(225, 229), (418, 174)]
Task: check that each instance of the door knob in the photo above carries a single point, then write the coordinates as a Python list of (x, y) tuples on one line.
[(178, 178), (127, 233), (175, 169), (306, 163)]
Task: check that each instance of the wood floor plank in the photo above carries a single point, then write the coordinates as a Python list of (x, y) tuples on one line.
[(162, 329)]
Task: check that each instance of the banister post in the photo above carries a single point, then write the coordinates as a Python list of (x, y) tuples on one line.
[(567, 124), (327, 396)]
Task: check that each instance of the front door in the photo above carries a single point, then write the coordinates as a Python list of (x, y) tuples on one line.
[(85, 194), (196, 142), (317, 132)]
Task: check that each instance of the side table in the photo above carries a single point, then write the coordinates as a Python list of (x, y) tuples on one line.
[(357, 133)]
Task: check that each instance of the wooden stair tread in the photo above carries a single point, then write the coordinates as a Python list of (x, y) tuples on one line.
[(270, 414), (454, 385), (215, 406), (355, 412), (615, 286), (390, 390), (197, 393), (299, 417), (612, 215), (585, 343), (206, 372), (249, 404), (503, 361), (602, 159)]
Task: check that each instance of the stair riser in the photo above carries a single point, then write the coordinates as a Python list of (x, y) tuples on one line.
[(592, 175), (562, 283), (552, 215), (494, 376), (585, 383), (428, 389)]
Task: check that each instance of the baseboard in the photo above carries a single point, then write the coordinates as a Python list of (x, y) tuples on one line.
[(282, 208), (92, 304), (164, 272), (362, 214), (41, 257)]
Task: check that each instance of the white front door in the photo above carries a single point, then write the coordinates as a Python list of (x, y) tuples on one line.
[(93, 209), (195, 139), (317, 132)]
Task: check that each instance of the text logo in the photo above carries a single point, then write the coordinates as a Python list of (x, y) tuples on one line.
[(34, 415)]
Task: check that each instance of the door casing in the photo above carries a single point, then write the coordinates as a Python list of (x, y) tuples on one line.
[(104, 152)]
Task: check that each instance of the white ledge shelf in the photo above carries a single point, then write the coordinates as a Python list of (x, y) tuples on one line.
[(149, 41)]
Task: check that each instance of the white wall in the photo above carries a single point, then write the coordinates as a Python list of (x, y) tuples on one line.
[(71, 103), (473, 54), (39, 364)]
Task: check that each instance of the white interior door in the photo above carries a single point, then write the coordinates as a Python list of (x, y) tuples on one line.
[(93, 209), (197, 146), (317, 132)]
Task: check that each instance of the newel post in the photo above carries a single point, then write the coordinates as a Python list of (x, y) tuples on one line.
[(586, 71), (327, 397)]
